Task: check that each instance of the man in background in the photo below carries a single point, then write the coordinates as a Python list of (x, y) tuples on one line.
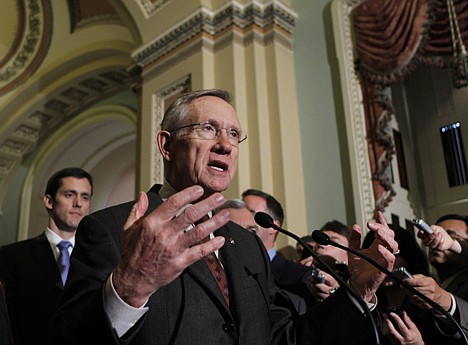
[(34, 271), (335, 258), (240, 214), (288, 275)]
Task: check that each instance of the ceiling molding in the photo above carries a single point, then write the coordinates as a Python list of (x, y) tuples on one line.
[(32, 41), (265, 22), (59, 108), (151, 7)]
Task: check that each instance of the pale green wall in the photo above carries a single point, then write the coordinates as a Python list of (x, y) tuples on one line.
[(325, 154)]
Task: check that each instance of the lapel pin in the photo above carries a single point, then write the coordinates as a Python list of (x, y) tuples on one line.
[(232, 241)]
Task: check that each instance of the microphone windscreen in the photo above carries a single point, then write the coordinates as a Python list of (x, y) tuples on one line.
[(263, 219), (320, 237)]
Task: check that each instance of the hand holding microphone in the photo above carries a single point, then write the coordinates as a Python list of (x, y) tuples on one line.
[(439, 239), (429, 287), (324, 288)]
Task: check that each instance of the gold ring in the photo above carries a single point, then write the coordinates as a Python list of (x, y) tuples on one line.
[(333, 289), (397, 252)]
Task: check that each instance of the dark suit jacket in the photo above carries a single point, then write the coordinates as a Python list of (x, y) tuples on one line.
[(5, 331), (291, 276), (191, 310), (32, 287)]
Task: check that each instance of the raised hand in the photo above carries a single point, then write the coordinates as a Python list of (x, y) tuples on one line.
[(365, 278), (156, 249)]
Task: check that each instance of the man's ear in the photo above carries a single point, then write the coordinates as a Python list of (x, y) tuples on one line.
[(164, 144), (48, 202), (277, 223), (273, 231)]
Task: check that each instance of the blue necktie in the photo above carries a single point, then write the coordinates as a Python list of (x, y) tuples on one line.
[(63, 261)]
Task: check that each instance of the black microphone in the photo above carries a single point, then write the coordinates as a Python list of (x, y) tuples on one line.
[(265, 221), (321, 238)]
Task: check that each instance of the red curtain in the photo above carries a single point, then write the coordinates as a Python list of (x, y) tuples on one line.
[(391, 38)]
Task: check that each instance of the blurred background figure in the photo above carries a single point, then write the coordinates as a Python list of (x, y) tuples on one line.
[(288, 274), (322, 284), (240, 214), (303, 255)]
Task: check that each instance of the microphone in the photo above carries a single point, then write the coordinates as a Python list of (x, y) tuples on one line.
[(321, 238), (265, 221)]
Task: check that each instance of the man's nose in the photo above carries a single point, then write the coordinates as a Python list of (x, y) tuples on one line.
[(223, 140), (78, 201)]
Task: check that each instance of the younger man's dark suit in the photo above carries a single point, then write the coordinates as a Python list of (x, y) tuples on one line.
[(191, 309), (32, 287), (5, 331)]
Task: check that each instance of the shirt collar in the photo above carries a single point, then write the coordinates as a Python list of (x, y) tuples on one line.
[(54, 239), (166, 190), (272, 253)]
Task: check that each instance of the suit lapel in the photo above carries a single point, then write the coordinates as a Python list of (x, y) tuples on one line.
[(236, 267), (457, 281), (200, 272), (43, 256)]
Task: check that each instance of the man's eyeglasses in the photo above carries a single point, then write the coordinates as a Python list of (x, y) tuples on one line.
[(456, 236), (207, 131)]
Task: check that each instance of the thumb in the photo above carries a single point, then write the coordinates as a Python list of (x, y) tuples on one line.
[(138, 210), (355, 237)]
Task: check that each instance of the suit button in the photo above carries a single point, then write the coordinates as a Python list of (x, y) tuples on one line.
[(228, 327)]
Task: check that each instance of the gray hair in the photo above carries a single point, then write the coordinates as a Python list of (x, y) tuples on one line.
[(179, 110), (232, 203)]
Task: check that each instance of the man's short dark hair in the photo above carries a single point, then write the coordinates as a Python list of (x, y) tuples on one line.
[(337, 227), (55, 181), (274, 208), (453, 217)]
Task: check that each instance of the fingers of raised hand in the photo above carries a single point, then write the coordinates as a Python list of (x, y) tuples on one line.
[(382, 219), (355, 237), (385, 236), (187, 215), (173, 205), (203, 229), (138, 210)]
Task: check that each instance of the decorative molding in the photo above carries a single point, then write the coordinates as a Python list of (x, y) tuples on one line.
[(77, 21), (32, 45), (6, 165), (13, 148), (99, 20), (56, 109), (354, 111), (159, 105), (151, 7), (273, 19)]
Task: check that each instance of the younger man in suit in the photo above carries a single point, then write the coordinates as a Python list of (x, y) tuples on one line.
[(34, 271)]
